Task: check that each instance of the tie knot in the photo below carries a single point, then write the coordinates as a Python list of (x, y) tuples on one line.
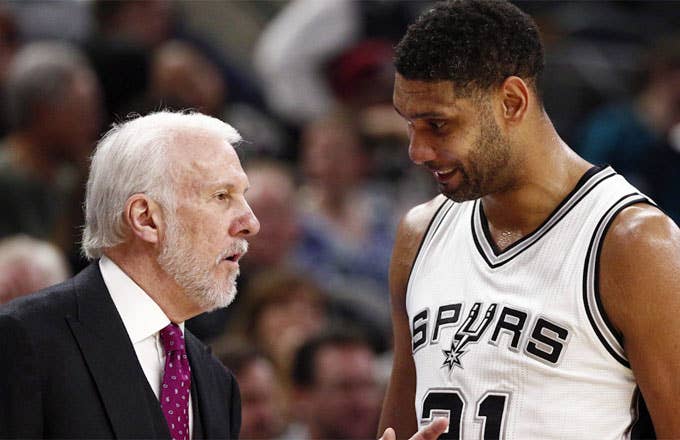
[(172, 338)]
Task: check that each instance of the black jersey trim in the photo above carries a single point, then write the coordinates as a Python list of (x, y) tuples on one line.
[(641, 427), (482, 235), (428, 234), (476, 240), (608, 335)]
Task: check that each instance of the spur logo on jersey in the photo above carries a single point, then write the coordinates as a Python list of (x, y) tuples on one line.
[(540, 338)]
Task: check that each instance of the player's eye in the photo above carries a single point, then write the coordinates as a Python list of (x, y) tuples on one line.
[(222, 196), (437, 125)]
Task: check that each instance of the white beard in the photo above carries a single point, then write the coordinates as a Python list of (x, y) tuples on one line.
[(194, 276)]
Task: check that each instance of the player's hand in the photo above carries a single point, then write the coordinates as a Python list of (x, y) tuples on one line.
[(430, 432)]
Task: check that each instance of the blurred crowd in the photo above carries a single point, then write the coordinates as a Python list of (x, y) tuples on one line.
[(309, 335)]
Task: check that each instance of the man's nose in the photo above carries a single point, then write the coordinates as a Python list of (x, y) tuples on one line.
[(419, 150), (246, 224)]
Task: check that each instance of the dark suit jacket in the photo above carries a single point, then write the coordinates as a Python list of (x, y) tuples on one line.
[(69, 370)]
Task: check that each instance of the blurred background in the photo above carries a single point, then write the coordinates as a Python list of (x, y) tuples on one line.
[(308, 84)]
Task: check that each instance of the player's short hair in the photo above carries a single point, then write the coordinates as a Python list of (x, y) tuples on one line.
[(476, 44)]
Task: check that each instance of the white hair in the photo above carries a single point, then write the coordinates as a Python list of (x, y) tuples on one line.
[(131, 159), (40, 256)]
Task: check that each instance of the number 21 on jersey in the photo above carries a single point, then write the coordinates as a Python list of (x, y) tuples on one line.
[(490, 412)]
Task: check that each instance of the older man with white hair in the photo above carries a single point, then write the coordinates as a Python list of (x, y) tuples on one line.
[(105, 354)]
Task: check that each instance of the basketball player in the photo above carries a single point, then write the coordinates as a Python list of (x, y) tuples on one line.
[(538, 296)]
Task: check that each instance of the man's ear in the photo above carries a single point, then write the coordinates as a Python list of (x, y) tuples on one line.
[(514, 95), (143, 216)]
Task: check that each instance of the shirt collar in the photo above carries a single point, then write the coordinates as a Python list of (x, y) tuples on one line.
[(141, 316)]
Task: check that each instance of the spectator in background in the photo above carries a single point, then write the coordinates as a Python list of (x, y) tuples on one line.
[(336, 388), (299, 56), (635, 136), (273, 197), (119, 48), (126, 35), (262, 399), (28, 265), (278, 312), (347, 226), (53, 105), (182, 77)]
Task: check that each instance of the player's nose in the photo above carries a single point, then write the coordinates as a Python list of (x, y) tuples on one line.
[(420, 151)]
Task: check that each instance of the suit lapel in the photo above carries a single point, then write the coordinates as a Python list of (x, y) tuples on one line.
[(131, 405), (208, 398)]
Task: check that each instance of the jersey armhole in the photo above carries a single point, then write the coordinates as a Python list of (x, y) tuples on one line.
[(608, 335), (432, 228)]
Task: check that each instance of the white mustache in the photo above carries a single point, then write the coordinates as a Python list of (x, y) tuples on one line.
[(238, 247)]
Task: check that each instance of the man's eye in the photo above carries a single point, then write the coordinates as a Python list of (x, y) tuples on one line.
[(221, 196), (437, 125)]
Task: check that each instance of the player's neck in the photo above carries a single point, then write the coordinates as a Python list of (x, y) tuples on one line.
[(548, 175)]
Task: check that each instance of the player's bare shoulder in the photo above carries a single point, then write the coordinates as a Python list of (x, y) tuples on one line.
[(641, 249), (642, 221), (412, 229), (639, 235)]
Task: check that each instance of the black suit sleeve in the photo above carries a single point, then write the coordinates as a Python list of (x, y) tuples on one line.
[(235, 409), (20, 384)]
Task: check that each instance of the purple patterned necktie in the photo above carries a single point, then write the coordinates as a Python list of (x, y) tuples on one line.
[(176, 382)]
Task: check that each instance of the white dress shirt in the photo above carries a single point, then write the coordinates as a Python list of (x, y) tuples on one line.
[(143, 319)]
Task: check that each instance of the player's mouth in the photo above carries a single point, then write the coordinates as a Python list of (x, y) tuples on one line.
[(443, 175)]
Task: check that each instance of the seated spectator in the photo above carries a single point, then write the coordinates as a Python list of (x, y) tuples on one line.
[(273, 197), (28, 265), (127, 34), (54, 106), (336, 387), (182, 77), (634, 136), (347, 226), (262, 400), (279, 311)]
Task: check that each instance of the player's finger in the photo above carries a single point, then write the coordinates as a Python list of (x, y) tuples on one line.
[(433, 430), (389, 434)]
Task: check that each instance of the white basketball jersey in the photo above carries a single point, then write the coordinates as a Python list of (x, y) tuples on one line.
[(515, 344)]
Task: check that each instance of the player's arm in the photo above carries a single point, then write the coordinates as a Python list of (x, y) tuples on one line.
[(398, 410), (640, 290)]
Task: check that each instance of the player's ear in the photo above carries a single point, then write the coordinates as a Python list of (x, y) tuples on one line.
[(515, 99), (143, 216)]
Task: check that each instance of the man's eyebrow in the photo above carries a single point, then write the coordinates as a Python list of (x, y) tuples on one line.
[(230, 186), (423, 115)]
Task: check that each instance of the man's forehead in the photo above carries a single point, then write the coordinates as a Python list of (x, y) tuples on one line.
[(418, 87), (208, 163), (422, 99)]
